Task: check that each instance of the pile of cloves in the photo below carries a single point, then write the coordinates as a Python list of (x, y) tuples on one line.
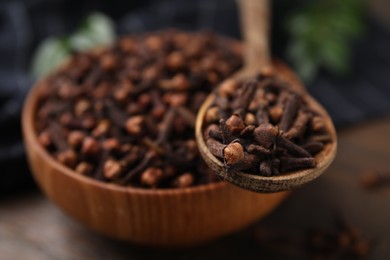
[(261, 126), (339, 240), (125, 114), (374, 179), (344, 241)]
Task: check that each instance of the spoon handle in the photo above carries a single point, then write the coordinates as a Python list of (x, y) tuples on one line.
[(255, 15)]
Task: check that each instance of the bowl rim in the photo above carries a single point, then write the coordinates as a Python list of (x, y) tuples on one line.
[(29, 133)]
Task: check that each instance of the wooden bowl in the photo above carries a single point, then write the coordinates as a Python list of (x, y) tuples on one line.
[(169, 217)]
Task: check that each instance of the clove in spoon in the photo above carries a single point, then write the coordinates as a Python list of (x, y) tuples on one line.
[(254, 16)]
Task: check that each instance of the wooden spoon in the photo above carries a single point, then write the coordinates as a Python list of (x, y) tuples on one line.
[(255, 26)]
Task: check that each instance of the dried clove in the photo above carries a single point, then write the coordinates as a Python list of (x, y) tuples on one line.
[(216, 148), (313, 147), (111, 144), (257, 149), (112, 169), (245, 95), (269, 125), (227, 88), (212, 115), (68, 158), (265, 135), (299, 126), (84, 168), (293, 164), (234, 125), (262, 116), (290, 112), (44, 139), (134, 125), (372, 179), (248, 131), (250, 119), (140, 167), (248, 163), (291, 147), (212, 131), (151, 176), (233, 153), (75, 138), (184, 180), (90, 147)]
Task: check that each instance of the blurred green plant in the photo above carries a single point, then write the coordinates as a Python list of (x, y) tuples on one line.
[(97, 29), (321, 33)]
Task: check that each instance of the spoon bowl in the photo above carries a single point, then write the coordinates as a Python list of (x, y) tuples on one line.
[(283, 182)]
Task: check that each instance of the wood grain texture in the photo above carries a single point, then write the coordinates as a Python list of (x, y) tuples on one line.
[(282, 182), (255, 24), (175, 217)]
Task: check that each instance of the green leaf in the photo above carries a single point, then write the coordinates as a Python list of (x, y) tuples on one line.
[(81, 41), (49, 55), (321, 33), (335, 56), (303, 62), (97, 30)]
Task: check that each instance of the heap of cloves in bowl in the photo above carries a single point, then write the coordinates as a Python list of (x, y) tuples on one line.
[(264, 127), (125, 114)]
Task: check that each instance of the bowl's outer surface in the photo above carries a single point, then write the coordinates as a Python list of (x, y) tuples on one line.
[(175, 217)]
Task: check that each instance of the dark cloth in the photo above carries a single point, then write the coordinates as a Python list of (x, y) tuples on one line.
[(24, 23)]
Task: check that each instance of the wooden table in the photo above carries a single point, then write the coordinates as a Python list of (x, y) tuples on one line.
[(32, 228)]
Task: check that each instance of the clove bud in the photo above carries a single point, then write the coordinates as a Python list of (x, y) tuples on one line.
[(233, 153)]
